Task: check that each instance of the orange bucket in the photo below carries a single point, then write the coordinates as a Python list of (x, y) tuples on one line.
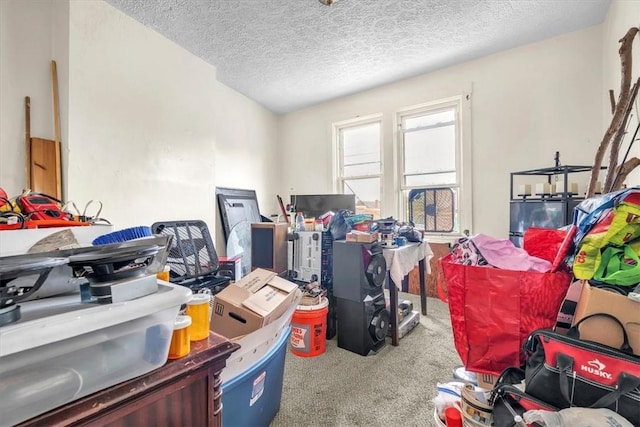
[(308, 329)]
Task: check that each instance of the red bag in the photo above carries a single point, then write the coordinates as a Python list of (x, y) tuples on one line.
[(493, 311), (543, 242)]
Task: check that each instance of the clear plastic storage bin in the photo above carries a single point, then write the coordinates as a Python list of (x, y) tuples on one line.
[(62, 349)]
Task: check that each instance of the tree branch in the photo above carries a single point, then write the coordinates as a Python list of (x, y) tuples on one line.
[(614, 153), (612, 101), (625, 170), (621, 106)]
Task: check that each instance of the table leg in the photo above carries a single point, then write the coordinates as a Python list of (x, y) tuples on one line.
[(393, 310), (423, 290)]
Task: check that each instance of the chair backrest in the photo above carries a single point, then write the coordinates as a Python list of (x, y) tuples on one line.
[(191, 253)]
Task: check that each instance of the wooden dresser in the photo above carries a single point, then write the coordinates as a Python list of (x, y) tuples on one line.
[(183, 392)]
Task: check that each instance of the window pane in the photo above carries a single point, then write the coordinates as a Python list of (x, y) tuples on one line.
[(367, 193), (430, 150), (448, 178), (361, 150), (433, 210), (430, 119)]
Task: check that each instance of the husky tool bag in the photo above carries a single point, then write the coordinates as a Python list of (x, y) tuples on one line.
[(493, 311), (509, 399), (565, 371)]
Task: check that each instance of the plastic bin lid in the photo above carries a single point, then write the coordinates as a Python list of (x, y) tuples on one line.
[(59, 318)]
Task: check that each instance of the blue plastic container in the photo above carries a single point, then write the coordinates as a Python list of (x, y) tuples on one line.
[(253, 397)]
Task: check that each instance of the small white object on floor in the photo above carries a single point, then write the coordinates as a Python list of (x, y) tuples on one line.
[(460, 373)]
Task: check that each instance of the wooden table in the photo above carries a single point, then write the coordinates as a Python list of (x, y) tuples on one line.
[(400, 262), (183, 392)]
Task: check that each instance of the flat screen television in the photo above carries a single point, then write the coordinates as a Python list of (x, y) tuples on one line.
[(236, 205), (314, 205)]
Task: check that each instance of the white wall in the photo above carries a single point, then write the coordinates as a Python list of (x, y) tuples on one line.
[(622, 15), (32, 33), (150, 132), (527, 103)]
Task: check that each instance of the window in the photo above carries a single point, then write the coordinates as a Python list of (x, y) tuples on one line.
[(430, 164), (359, 162)]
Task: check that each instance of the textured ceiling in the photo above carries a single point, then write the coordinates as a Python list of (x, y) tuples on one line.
[(289, 54)]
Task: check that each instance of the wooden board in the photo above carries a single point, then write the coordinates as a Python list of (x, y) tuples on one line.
[(27, 141), (43, 166), (56, 129)]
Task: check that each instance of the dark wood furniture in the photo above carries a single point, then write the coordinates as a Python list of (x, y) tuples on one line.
[(269, 246), (412, 251), (183, 392)]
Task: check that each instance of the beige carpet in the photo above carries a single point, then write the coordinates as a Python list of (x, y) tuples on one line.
[(393, 388)]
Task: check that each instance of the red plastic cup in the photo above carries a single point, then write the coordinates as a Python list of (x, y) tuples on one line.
[(452, 417)]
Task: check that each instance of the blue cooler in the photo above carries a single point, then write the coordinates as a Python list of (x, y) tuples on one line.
[(252, 398)]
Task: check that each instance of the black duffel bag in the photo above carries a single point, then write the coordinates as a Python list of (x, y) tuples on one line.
[(565, 371)]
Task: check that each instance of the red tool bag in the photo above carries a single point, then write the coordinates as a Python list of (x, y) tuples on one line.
[(566, 371), (493, 311)]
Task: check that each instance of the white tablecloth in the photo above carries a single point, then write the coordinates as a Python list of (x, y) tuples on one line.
[(401, 260)]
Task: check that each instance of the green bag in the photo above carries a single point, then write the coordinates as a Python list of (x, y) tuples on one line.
[(618, 227), (618, 266)]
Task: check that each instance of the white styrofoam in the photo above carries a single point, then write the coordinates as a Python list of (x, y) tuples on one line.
[(17, 242)]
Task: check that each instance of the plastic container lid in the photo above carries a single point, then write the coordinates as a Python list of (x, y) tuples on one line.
[(323, 303), (181, 322), (198, 299)]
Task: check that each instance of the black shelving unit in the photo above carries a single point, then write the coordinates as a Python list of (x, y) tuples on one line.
[(545, 211)]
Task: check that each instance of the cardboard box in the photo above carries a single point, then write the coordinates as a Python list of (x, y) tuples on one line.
[(254, 301), (604, 330), (486, 381), (230, 267), (362, 237)]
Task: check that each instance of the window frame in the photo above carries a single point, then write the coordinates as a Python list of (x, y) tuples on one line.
[(338, 154), (462, 106)]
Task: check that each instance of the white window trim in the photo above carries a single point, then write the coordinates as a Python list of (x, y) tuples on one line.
[(336, 151), (463, 160)]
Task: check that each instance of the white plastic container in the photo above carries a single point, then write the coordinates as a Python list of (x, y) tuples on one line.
[(255, 345), (62, 349)]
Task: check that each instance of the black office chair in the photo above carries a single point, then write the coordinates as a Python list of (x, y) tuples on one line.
[(192, 258)]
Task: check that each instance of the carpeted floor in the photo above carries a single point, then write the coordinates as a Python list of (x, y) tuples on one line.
[(392, 388)]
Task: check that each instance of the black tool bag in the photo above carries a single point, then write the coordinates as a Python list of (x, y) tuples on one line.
[(565, 371), (509, 400)]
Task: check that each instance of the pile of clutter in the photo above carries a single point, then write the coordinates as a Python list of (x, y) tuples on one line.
[(549, 334)]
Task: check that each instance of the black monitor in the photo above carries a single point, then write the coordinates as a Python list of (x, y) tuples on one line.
[(314, 205), (236, 205)]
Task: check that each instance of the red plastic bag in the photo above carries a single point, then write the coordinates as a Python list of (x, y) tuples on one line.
[(493, 311), (543, 243)]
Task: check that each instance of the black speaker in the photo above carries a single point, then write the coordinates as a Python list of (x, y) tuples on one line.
[(359, 270), (362, 326)]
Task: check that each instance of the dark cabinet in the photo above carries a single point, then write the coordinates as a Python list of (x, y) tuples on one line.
[(553, 210)]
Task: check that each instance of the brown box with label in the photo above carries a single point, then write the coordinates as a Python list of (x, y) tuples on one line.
[(486, 381), (604, 330), (361, 237), (254, 301)]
